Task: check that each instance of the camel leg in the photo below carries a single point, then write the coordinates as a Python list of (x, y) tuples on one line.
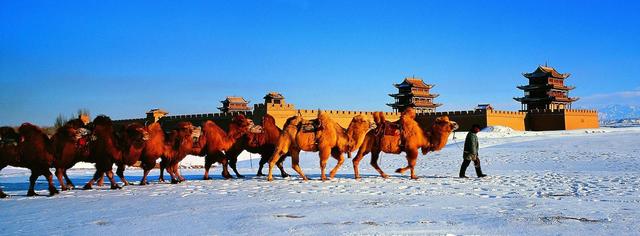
[(374, 162), (2, 194), (52, 187), (263, 160), (281, 167), (69, 183), (272, 162), (101, 181), (96, 176), (59, 175), (324, 157), (163, 165), (114, 185), (178, 172), (233, 160), (338, 156), (412, 158), (208, 161), (120, 173), (143, 181), (295, 164), (172, 173), (356, 163), (32, 183), (225, 166)]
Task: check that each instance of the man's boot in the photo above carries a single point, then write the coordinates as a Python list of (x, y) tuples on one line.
[(479, 172), (463, 169)]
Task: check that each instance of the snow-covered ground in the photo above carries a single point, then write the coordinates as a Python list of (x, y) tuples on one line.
[(561, 182)]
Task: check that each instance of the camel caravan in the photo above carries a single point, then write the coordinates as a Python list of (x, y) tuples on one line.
[(105, 144)]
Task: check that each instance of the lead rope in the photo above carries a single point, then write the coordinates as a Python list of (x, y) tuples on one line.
[(457, 143)]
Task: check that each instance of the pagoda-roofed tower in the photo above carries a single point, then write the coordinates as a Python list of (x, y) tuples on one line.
[(234, 104), (413, 92), (273, 98), (546, 90)]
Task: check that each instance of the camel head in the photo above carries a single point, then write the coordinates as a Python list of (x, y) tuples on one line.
[(356, 132), (136, 135), (239, 126), (440, 131), (268, 120), (185, 129)]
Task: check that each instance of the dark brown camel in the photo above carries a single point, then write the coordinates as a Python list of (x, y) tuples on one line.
[(9, 153), (262, 142), (178, 144), (29, 148), (214, 142), (104, 150), (71, 145), (132, 142)]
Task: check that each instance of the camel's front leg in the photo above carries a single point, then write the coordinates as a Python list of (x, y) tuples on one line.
[(340, 157), (324, 157), (375, 155)]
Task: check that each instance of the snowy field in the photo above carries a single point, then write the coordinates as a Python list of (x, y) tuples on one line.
[(563, 182)]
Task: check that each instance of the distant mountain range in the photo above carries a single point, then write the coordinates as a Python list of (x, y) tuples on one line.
[(619, 115), (617, 112)]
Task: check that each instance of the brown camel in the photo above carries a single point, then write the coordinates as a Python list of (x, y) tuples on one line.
[(9, 151), (262, 142), (329, 139), (153, 149), (214, 141), (29, 148), (178, 144), (104, 150), (70, 144), (133, 140), (410, 139)]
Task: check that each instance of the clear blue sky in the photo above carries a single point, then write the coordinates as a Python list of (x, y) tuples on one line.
[(122, 58)]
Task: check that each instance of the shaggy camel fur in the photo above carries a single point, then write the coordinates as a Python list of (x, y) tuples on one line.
[(104, 151), (329, 140), (411, 138), (153, 149), (214, 141), (71, 146), (263, 143), (133, 140), (30, 148), (177, 146)]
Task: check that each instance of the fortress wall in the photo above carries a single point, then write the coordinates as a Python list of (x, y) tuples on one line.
[(465, 119), (540, 120), (512, 119), (581, 119)]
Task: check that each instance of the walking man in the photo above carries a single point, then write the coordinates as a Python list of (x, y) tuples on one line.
[(471, 152)]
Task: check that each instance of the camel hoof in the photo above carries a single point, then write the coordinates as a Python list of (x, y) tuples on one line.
[(53, 191), (385, 176), (269, 178), (356, 177), (31, 193), (414, 177), (285, 175), (3, 195), (399, 171), (259, 174), (206, 178), (174, 181), (143, 183), (115, 186), (126, 183), (240, 176), (87, 187)]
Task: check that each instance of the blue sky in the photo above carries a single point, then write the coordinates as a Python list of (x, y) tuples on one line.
[(122, 58)]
